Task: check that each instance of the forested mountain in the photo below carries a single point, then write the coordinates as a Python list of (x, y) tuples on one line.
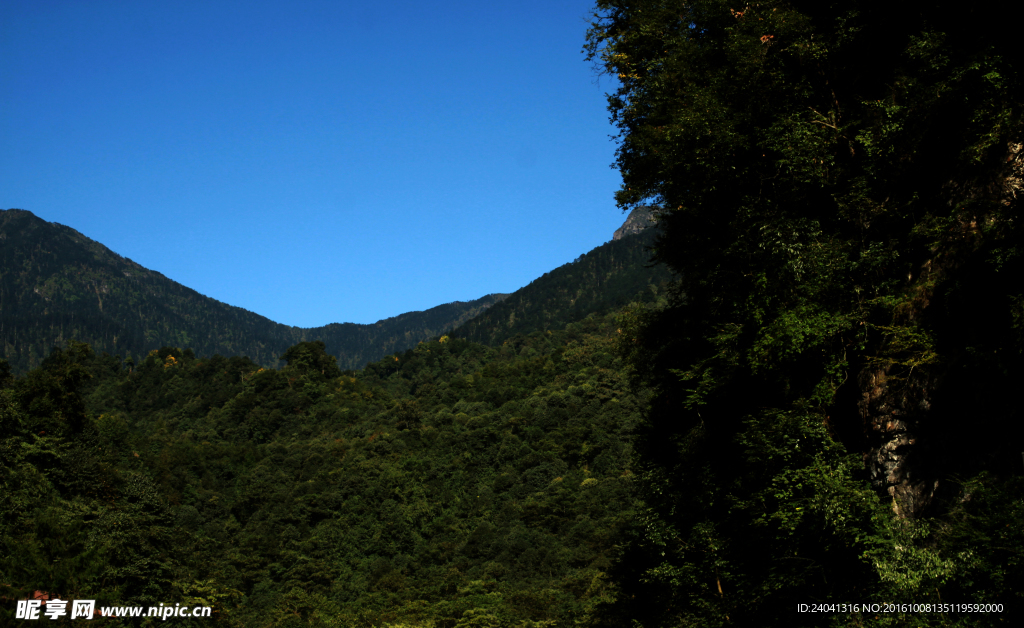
[(822, 410), (452, 485), (605, 279), (56, 284)]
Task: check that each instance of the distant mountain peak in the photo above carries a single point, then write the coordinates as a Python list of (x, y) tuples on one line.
[(639, 219)]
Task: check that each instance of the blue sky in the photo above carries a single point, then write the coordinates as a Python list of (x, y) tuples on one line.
[(313, 162)]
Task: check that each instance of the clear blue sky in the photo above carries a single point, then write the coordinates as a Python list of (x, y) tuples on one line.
[(313, 162)]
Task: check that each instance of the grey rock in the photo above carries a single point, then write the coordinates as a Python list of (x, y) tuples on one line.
[(639, 219)]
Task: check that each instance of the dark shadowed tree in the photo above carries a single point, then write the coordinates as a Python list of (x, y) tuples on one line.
[(840, 187), (311, 358)]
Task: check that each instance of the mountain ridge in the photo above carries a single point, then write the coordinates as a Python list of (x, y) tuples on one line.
[(57, 284), (597, 282)]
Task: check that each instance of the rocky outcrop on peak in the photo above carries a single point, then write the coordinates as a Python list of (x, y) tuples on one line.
[(638, 220)]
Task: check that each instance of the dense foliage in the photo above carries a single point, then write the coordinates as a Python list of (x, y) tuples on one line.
[(836, 416), (823, 412), (451, 485), (57, 284), (601, 281)]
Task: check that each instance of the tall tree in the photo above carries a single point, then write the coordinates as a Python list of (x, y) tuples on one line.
[(839, 184)]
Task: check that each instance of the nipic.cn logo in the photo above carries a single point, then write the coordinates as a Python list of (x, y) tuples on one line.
[(86, 609)]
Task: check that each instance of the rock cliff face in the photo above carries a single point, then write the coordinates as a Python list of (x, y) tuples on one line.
[(896, 413), (908, 415), (639, 219)]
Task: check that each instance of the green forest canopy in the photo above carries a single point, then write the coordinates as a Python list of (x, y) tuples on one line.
[(450, 485), (799, 423), (839, 184)]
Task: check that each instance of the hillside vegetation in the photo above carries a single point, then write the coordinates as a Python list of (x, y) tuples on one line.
[(601, 281), (57, 285), (820, 409), (451, 485)]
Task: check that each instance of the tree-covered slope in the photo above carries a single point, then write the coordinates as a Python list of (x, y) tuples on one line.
[(56, 284), (356, 345), (452, 485), (605, 279)]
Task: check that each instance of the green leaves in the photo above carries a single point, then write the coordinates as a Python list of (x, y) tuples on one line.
[(822, 168), (311, 359), (453, 484)]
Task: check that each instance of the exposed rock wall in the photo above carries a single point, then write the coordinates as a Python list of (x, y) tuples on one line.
[(639, 219), (897, 460), (898, 405)]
